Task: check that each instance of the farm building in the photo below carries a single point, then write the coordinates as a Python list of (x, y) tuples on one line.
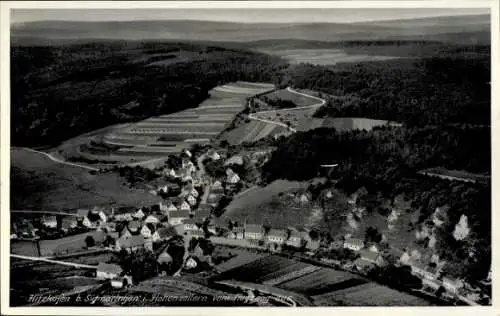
[(296, 239), (198, 233), (421, 270), (167, 206), (237, 233), (49, 221), (254, 232), (214, 155), (278, 236), (134, 226), (108, 271), (234, 160), (371, 257), (201, 215), (133, 243), (177, 217), (154, 219), (68, 223), (148, 230), (104, 213), (452, 285), (124, 213), (354, 244), (190, 224), (163, 233), (191, 200), (139, 214)]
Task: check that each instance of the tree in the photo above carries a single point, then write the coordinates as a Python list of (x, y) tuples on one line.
[(372, 235), (89, 241)]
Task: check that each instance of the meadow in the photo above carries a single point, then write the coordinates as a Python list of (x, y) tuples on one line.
[(39, 183)]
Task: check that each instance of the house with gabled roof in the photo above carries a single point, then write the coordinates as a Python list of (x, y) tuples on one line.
[(190, 224), (68, 223), (296, 239), (185, 206), (237, 232), (191, 200), (201, 215), (212, 154), (148, 230), (372, 257), (177, 217), (452, 285), (278, 236), (134, 226), (49, 221), (154, 219), (163, 233), (197, 233), (354, 244), (133, 243), (108, 271), (140, 214), (254, 232), (124, 213)]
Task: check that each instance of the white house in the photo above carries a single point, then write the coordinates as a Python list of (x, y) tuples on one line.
[(49, 221), (171, 173), (148, 230), (296, 239), (163, 233), (452, 285), (190, 224), (194, 193), (191, 200), (153, 219), (124, 213), (185, 206), (233, 178), (278, 236), (212, 154), (354, 244), (108, 271), (139, 214), (177, 217), (254, 232), (105, 214), (187, 153)]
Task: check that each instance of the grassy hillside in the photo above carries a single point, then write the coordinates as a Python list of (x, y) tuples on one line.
[(40, 184)]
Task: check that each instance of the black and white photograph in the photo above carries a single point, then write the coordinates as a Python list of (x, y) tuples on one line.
[(198, 156)]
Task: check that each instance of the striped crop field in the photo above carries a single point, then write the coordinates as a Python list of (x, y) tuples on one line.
[(171, 133)]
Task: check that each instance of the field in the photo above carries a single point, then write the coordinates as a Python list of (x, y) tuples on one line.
[(251, 132), (166, 134), (340, 123), (321, 281), (330, 56), (242, 257), (369, 294), (56, 246), (262, 205), (39, 183), (285, 94), (262, 270)]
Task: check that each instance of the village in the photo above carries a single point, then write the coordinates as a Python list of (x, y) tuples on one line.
[(190, 197)]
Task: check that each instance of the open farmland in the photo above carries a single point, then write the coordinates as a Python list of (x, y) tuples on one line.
[(39, 183), (165, 134), (290, 95), (368, 294), (251, 132), (262, 270), (241, 257)]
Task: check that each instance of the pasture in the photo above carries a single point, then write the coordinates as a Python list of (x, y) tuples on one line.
[(251, 132), (39, 183), (263, 205)]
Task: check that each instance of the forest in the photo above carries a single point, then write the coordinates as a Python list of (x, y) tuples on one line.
[(415, 92), (63, 91)]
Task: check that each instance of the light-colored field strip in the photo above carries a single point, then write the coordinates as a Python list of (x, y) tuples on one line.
[(196, 140), (167, 125)]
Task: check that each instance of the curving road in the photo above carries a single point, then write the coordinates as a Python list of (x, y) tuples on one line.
[(293, 130), (58, 160)]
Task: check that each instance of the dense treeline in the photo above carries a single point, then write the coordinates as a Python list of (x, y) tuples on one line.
[(386, 160), (60, 92), (415, 92)]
